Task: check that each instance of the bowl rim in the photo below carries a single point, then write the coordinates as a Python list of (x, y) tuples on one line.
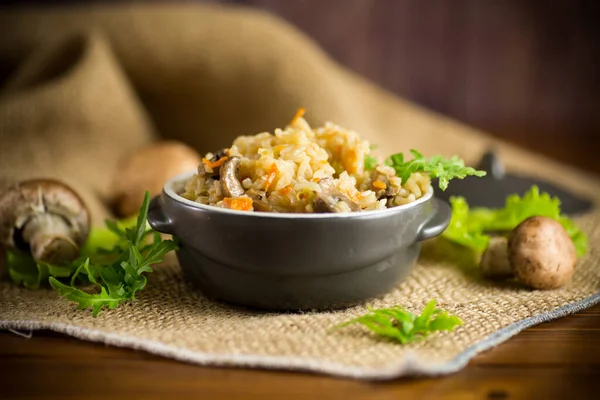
[(170, 190)]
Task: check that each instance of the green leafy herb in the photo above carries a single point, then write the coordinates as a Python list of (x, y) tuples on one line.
[(370, 162), (464, 229), (437, 167), (400, 325), (469, 227), (23, 270), (113, 261), (120, 273)]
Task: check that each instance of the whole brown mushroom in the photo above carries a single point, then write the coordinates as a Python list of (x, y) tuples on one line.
[(45, 218), (541, 253), (148, 169)]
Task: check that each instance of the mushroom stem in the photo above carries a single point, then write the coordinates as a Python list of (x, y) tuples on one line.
[(495, 262), (50, 239)]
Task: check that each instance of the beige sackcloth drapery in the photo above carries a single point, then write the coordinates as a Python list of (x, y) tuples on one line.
[(81, 87)]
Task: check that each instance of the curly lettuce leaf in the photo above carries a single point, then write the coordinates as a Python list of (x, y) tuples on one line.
[(469, 227), (464, 229), (23, 270)]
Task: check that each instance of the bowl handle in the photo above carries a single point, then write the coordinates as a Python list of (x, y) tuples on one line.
[(157, 218), (437, 223)]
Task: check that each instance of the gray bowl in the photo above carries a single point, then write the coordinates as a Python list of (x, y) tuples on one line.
[(279, 261)]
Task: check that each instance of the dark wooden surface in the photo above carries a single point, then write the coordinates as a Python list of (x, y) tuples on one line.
[(555, 360)]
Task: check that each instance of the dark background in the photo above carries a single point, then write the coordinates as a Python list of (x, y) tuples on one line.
[(524, 70)]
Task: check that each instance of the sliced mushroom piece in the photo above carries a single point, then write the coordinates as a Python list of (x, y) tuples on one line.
[(219, 154), (258, 201), (229, 178), (390, 190), (201, 170), (216, 171), (43, 217), (329, 197), (324, 204)]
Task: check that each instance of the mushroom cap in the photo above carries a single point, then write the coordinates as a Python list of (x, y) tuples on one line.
[(24, 200), (148, 169), (541, 253)]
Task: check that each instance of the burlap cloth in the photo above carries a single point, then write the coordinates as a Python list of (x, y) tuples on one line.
[(82, 87)]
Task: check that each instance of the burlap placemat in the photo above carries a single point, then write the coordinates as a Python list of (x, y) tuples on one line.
[(171, 319), (82, 87)]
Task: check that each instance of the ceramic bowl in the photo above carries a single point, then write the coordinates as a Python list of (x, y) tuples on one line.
[(280, 261)]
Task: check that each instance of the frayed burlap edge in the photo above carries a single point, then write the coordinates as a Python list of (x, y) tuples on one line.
[(409, 366)]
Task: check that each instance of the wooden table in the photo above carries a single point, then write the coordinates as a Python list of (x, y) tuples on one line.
[(559, 359)]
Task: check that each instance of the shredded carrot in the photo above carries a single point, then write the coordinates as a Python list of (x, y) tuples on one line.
[(356, 197), (271, 177), (329, 135), (284, 190), (316, 179), (379, 185), (215, 164), (238, 203), (299, 114), (349, 162)]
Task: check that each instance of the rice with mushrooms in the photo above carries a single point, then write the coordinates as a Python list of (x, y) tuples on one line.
[(300, 170)]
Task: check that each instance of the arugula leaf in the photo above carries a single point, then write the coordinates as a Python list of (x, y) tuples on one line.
[(113, 260), (469, 227), (437, 167), (85, 300), (399, 324), (121, 279)]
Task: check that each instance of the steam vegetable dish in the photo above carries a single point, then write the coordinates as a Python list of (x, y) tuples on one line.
[(304, 170)]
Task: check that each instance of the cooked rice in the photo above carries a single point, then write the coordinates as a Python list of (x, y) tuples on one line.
[(290, 170)]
